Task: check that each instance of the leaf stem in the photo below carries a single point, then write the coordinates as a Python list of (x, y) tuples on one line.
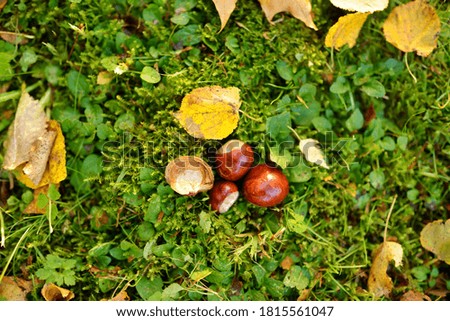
[(387, 219), (2, 230), (409, 70)]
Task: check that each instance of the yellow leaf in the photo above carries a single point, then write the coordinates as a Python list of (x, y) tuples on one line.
[(224, 8), (300, 9), (104, 77), (55, 171), (435, 237), (346, 30), (361, 5), (210, 112), (414, 26), (379, 282), (51, 292)]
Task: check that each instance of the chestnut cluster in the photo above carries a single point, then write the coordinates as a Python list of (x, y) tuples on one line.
[(262, 184)]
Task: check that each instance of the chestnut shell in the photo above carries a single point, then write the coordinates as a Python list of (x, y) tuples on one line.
[(234, 159), (265, 186)]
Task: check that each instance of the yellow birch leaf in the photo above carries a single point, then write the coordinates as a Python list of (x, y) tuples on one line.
[(210, 112), (435, 237), (55, 171), (414, 26), (224, 8), (300, 9), (361, 5), (52, 292), (346, 30), (379, 282)]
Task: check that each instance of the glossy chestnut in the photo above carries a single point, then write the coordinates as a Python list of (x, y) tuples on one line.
[(223, 195), (265, 186), (234, 159)]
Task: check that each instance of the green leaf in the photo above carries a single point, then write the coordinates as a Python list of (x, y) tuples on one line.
[(297, 277), (181, 19), (188, 36), (303, 115), (94, 114), (387, 143), (340, 86), (42, 201), (146, 287), (296, 223), (402, 142), (321, 124), (274, 287), (377, 178), (77, 83), (52, 74), (150, 75), (92, 166), (153, 209), (28, 58), (284, 70), (355, 121), (53, 192), (280, 156), (105, 131), (278, 126), (171, 292), (125, 122), (374, 88), (299, 173), (259, 272), (145, 231)]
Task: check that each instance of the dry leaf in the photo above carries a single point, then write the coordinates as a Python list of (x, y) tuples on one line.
[(13, 37), (361, 5), (309, 147), (414, 26), (2, 4), (224, 8), (210, 112), (14, 289), (104, 77), (286, 263), (29, 124), (379, 282), (32, 208), (346, 30), (414, 296), (300, 9), (435, 237), (121, 296), (52, 292), (56, 171)]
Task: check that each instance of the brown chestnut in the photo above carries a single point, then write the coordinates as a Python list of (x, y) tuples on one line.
[(234, 159), (265, 186), (223, 195)]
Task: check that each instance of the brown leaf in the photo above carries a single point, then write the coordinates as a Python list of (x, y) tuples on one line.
[(32, 208), (346, 30), (414, 296), (287, 263), (2, 4), (15, 289), (379, 282), (224, 8), (52, 292), (13, 37), (414, 26), (300, 9), (435, 237)]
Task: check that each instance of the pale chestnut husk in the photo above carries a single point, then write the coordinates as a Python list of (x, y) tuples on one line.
[(189, 175)]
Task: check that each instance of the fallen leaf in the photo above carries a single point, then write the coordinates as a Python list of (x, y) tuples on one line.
[(286, 263), (435, 237), (55, 171), (104, 77), (379, 282), (13, 37), (121, 296), (346, 30), (210, 112), (361, 5), (14, 289), (52, 292), (414, 26), (29, 124), (32, 208), (2, 4), (414, 296), (300, 9), (310, 149), (224, 8)]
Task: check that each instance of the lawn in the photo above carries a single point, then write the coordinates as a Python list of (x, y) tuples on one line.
[(114, 73)]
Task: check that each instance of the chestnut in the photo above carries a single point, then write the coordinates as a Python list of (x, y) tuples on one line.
[(189, 175), (265, 186), (234, 159), (223, 195)]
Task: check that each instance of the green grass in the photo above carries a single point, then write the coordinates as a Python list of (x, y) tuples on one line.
[(119, 224)]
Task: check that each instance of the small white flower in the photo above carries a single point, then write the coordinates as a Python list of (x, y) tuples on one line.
[(121, 68)]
